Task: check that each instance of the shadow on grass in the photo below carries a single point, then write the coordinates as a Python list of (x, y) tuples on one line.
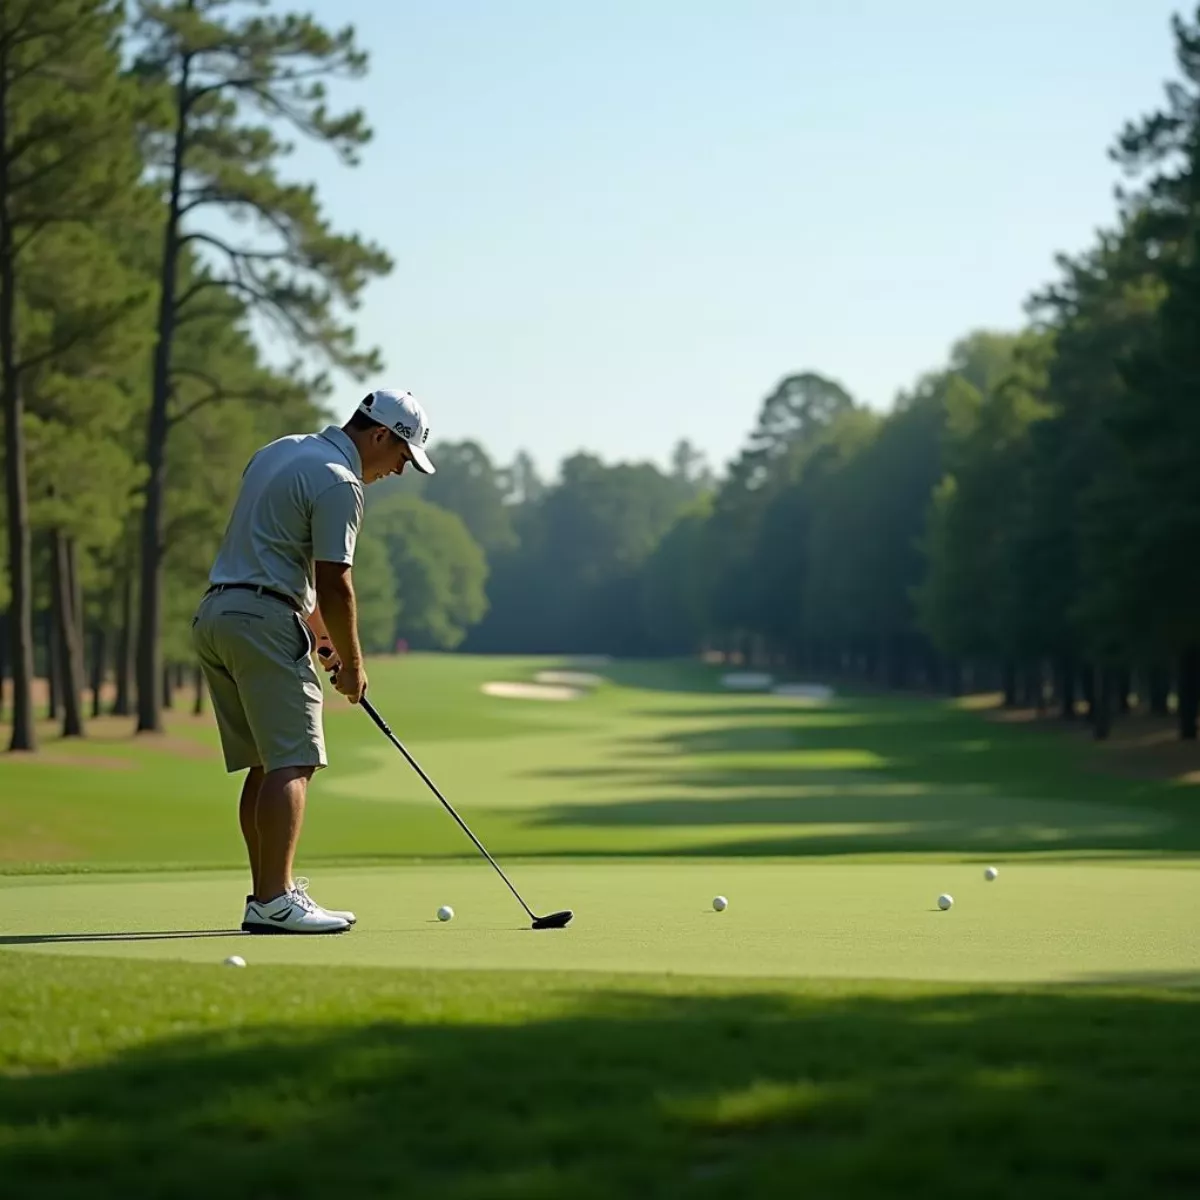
[(662, 675), (850, 821), (883, 775), (39, 939), (615, 1094)]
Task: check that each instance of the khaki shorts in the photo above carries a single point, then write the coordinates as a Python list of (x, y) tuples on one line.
[(266, 694)]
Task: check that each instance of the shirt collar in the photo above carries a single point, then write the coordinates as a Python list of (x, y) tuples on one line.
[(345, 445)]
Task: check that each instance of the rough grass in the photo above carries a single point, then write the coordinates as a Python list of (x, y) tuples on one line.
[(145, 1079)]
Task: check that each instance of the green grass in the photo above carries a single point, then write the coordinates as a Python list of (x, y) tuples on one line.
[(831, 1033), (658, 762), (1115, 922), (150, 1079)]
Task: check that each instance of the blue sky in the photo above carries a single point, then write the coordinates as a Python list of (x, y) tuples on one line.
[(620, 223)]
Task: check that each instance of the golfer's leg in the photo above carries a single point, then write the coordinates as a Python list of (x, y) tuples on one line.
[(280, 816), (237, 738), (248, 819)]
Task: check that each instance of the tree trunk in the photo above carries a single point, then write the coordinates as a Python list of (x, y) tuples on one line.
[(3, 660), (954, 677), (122, 702), (66, 633), (53, 658), (99, 665), (1037, 687), (1008, 681), (77, 645), (1123, 678), (1066, 689), (20, 573), (168, 697), (1104, 687), (198, 683), (1189, 692), (1158, 684), (899, 666), (1087, 685), (870, 661), (149, 650), (149, 653)]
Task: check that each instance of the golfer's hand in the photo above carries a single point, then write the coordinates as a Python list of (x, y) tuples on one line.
[(351, 682), (328, 656)]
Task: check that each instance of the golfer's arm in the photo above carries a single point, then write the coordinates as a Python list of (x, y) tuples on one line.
[(336, 604), (317, 624)]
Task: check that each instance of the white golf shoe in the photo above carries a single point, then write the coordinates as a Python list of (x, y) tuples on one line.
[(293, 912), (301, 885)]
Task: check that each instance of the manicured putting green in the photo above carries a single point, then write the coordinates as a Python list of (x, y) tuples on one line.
[(1131, 922)]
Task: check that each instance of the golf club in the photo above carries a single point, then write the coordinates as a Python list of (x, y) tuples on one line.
[(555, 920)]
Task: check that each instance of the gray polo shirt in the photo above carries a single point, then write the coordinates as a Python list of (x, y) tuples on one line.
[(301, 500)]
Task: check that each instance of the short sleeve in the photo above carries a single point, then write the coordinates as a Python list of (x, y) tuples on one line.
[(336, 518)]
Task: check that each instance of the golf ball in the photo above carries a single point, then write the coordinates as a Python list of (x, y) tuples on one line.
[(445, 913), (235, 960), (990, 874), (720, 903), (945, 901)]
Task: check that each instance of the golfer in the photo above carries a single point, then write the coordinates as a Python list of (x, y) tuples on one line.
[(280, 589)]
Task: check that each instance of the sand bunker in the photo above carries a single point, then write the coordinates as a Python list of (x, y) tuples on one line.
[(805, 691), (574, 679), (591, 660), (747, 681), (531, 691)]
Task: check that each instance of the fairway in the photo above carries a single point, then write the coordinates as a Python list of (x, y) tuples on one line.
[(832, 827), (658, 761), (832, 1026)]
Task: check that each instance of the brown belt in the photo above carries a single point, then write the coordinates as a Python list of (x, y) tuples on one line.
[(282, 597)]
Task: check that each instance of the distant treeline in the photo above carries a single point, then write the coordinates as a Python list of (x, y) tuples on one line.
[(1026, 518)]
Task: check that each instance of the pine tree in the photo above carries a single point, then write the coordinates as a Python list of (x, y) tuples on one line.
[(231, 81), (67, 157)]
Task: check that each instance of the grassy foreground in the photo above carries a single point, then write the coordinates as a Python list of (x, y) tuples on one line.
[(656, 1048), (152, 1079)]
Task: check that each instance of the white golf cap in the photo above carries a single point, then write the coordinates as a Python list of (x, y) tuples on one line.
[(400, 412)]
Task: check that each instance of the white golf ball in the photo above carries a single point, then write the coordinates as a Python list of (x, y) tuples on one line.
[(720, 903), (945, 901), (990, 874), (445, 913), (235, 960)]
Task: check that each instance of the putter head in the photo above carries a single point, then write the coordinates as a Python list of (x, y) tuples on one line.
[(558, 920)]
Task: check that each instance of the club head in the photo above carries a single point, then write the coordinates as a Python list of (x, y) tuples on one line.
[(558, 920)]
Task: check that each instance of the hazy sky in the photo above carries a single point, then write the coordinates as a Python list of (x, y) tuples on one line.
[(619, 223)]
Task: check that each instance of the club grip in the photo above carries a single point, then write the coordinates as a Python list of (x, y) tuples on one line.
[(325, 652)]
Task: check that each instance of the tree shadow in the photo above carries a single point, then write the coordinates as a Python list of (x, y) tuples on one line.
[(831, 712), (662, 675), (897, 777), (822, 1091), (867, 824)]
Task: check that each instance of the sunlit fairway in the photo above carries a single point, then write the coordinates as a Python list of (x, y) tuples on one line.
[(660, 762), (831, 1030)]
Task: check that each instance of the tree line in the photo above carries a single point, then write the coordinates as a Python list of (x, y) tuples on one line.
[(1024, 518), (135, 142)]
